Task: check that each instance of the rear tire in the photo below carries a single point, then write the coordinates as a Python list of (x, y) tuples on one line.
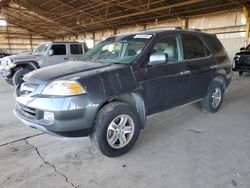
[(116, 129), (18, 76), (240, 73), (214, 98)]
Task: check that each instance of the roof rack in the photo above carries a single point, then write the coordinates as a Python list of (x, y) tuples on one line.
[(172, 28), (188, 29), (194, 29), (159, 28)]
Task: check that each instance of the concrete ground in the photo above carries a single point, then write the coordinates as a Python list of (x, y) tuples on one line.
[(179, 148)]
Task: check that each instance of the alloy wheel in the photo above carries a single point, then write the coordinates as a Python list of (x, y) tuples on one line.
[(216, 97), (120, 131)]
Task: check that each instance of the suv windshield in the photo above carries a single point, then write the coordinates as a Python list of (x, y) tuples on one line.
[(118, 49), (41, 48)]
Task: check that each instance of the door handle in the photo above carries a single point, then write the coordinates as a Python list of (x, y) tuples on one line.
[(186, 72), (66, 58)]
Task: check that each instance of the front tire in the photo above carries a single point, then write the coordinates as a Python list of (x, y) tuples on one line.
[(9, 81), (214, 98), (116, 129), (240, 73), (18, 76)]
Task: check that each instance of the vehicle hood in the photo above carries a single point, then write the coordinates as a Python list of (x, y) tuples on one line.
[(67, 71), (24, 57)]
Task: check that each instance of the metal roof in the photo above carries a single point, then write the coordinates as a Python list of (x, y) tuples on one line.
[(58, 18)]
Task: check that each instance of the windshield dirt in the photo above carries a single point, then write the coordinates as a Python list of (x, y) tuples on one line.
[(123, 50)]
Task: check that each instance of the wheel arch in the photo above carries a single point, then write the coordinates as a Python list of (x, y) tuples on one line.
[(134, 100), (28, 64), (221, 79), (218, 78)]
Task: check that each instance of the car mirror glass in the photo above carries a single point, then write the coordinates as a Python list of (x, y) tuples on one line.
[(158, 58), (51, 52)]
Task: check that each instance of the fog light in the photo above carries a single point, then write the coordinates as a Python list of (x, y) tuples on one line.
[(48, 116)]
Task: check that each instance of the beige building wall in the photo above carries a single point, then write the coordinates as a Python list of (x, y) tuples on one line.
[(228, 26), (16, 40), (233, 45)]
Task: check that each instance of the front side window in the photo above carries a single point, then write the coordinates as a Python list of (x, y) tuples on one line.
[(168, 45), (193, 47), (59, 49), (76, 49), (120, 49)]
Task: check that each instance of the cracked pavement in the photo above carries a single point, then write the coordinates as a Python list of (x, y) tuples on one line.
[(180, 148), (48, 163)]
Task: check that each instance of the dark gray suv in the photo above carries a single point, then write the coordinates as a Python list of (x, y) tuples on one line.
[(119, 82)]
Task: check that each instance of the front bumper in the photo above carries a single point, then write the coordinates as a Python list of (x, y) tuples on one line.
[(241, 68), (73, 116), (237, 66)]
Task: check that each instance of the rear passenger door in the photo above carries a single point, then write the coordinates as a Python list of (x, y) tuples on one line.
[(199, 61), (76, 51)]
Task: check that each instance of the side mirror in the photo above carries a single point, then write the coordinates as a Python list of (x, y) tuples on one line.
[(51, 52), (158, 58), (242, 49)]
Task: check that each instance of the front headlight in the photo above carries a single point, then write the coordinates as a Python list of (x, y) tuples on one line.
[(63, 88), (10, 64), (6, 63), (237, 56)]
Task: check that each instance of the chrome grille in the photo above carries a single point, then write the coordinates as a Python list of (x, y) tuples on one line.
[(244, 60)]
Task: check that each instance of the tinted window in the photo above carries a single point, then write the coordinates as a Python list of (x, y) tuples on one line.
[(59, 49), (168, 45), (215, 44), (76, 49), (193, 47)]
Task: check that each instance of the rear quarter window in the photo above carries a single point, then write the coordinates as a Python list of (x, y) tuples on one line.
[(76, 49), (215, 44), (193, 47)]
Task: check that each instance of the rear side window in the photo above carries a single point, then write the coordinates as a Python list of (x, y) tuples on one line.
[(215, 44), (76, 49), (193, 47), (59, 49)]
